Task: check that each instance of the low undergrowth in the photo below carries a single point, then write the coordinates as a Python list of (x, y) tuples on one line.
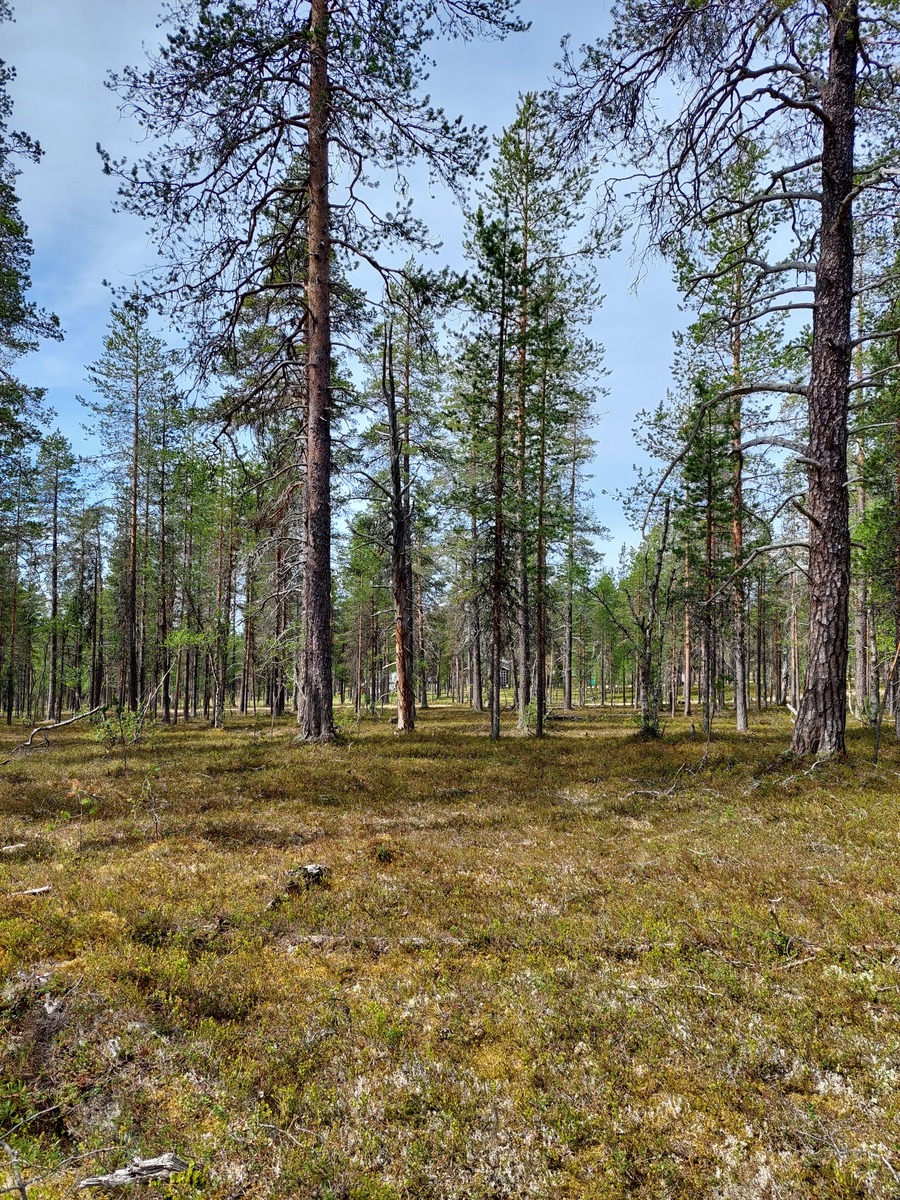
[(586, 967)]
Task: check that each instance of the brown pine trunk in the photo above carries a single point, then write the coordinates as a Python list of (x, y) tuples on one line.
[(861, 592), (737, 519), (54, 700), (476, 687), (131, 598), (707, 667), (795, 645), (497, 569), (822, 716), (400, 562), (14, 612), (570, 582), (688, 648), (524, 624), (165, 655), (540, 649), (249, 641), (96, 625), (316, 717), (142, 623), (410, 647), (423, 659)]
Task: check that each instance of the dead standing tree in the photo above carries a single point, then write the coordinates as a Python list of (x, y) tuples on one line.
[(258, 108), (815, 84)]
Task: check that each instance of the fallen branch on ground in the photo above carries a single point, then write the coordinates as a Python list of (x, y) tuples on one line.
[(654, 792), (800, 774), (139, 1171), (18, 1181), (45, 729)]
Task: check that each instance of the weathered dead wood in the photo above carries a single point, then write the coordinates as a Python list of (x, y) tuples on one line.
[(13, 848), (45, 729), (378, 945), (38, 891), (18, 1181), (138, 1171), (300, 879)]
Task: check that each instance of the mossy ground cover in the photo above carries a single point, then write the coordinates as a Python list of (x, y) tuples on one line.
[(584, 967)]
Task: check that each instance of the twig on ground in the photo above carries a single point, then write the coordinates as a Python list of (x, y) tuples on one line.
[(658, 794), (33, 1117), (287, 1133), (800, 774), (18, 1181)]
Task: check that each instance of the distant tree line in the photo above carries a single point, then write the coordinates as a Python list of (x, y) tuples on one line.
[(382, 497)]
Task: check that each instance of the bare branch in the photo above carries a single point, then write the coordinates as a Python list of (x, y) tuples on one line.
[(45, 729)]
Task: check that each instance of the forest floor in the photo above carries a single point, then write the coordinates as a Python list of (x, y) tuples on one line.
[(582, 967)]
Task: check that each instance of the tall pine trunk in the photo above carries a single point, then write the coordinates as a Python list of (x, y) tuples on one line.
[(54, 699), (14, 599), (165, 623), (737, 515), (316, 716), (570, 576), (822, 715), (475, 678), (498, 478), (400, 558), (524, 623), (131, 597), (540, 641)]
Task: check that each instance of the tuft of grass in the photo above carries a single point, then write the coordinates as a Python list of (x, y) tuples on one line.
[(587, 967)]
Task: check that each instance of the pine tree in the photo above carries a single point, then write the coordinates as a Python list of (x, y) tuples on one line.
[(133, 379), (22, 323), (57, 482), (257, 87), (807, 58), (542, 203)]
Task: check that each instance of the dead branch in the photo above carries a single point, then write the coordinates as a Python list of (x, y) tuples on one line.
[(802, 774), (45, 729), (725, 394), (138, 1171), (782, 443), (751, 558), (16, 1173)]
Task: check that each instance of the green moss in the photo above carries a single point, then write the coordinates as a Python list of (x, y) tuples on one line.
[(538, 969)]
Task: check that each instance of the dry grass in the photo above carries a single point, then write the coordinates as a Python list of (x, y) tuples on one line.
[(586, 967)]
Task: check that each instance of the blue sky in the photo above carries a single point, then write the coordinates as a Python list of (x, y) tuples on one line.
[(62, 50)]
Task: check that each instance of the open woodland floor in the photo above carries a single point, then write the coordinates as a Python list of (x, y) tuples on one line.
[(582, 967)]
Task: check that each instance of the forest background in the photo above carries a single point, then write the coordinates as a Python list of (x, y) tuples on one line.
[(532, 241), (296, 897)]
